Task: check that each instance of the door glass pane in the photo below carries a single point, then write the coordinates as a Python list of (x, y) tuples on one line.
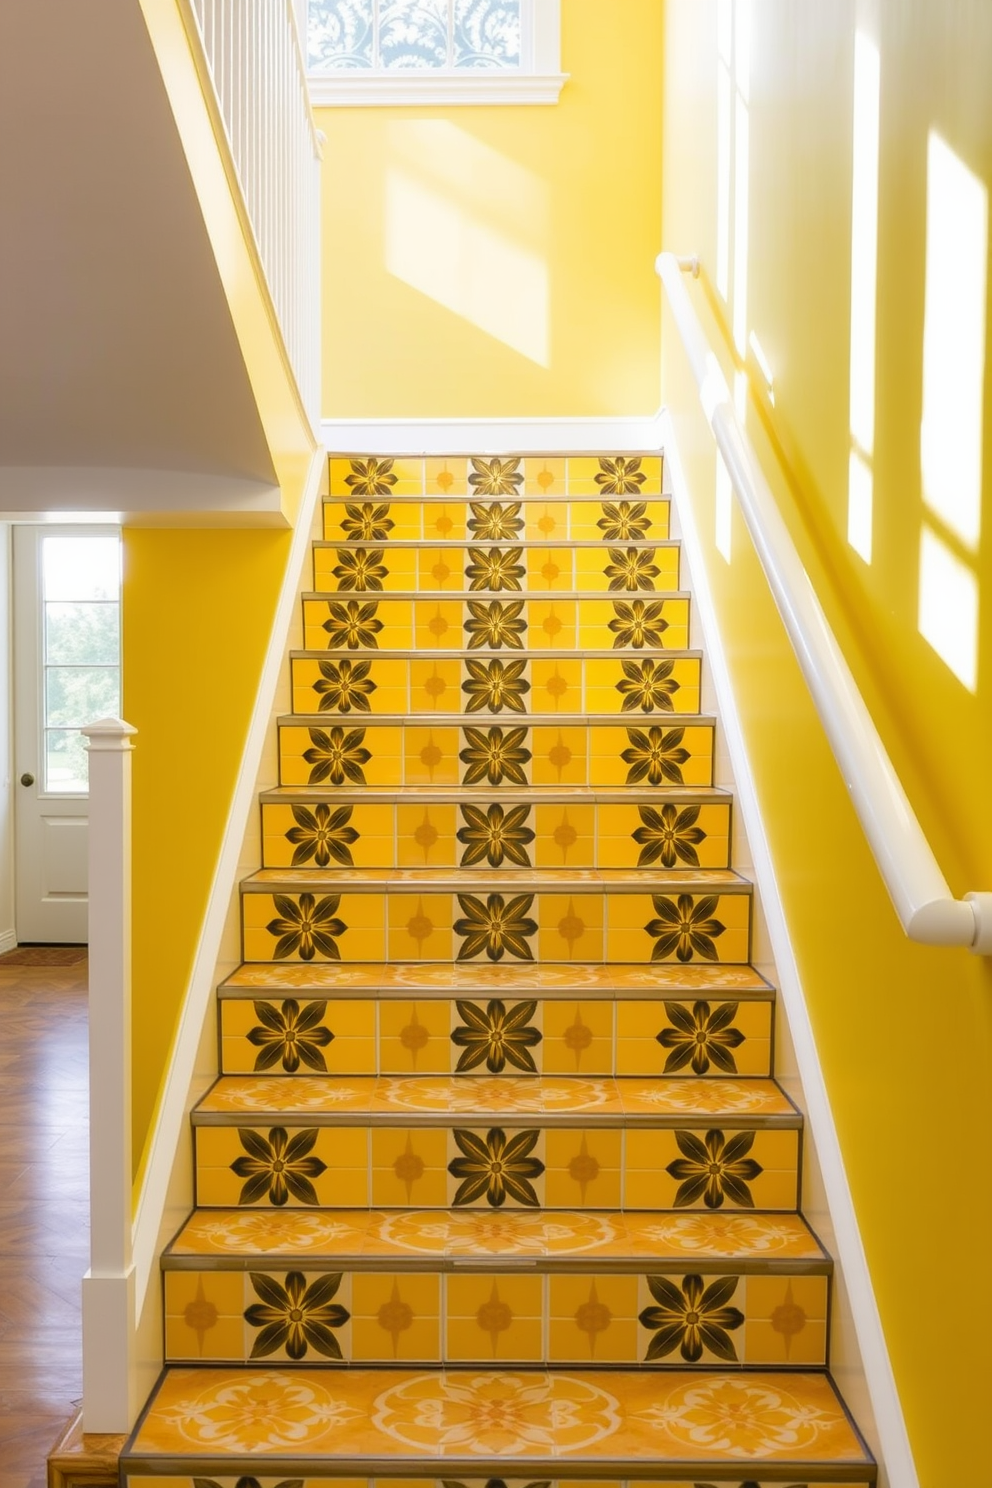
[(339, 35), (66, 761), (80, 633), (487, 33), (80, 650)]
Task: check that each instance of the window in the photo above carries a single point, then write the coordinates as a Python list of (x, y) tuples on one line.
[(433, 51)]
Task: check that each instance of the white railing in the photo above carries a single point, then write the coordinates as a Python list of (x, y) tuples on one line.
[(253, 52), (919, 892)]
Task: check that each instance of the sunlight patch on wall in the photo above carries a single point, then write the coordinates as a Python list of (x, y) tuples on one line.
[(948, 613), (742, 160), (466, 227), (724, 142), (954, 342), (864, 294), (724, 512)]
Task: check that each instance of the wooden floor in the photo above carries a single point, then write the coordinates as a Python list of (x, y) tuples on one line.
[(44, 1210)]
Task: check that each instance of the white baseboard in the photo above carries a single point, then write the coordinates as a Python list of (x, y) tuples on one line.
[(896, 1464), (8, 941), (436, 436)]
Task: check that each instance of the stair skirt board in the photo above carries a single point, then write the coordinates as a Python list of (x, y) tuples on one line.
[(496, 1185)]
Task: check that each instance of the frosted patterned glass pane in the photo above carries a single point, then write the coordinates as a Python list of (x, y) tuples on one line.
[(487, 33), (339, 35), (413, 34)]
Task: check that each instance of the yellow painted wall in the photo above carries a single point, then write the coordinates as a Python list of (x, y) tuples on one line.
[(198, 608), (904, 1032), (496, 261)]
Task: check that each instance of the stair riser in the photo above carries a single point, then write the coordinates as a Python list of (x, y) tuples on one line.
[(492, 1317), (390, 1166), (667, 750), (625, 569), (404, 1037), (349, 687), (549, 475), (419, 834), (501, 625), (311, 1480), (534, 520), (575, 926)]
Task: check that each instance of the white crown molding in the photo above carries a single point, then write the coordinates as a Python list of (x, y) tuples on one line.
[(403, 90), (436, 436), (893, 1439)]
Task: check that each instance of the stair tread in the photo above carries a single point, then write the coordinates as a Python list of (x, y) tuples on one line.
[(460, 595), (515, 880), (430, 1237), (424, 979), (453, 544), (485, 721), (629, 795), (630, 1422), (440, 1099), (465, 653)]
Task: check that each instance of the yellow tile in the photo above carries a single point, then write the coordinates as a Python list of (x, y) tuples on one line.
[(444, 477), (592, 1319), (551, 623), (438, 625), (583, 470), (435, 686), (409, 1166), (221, 1339), (628, 915), (420, 927), (494, 1317), (578, 1038), (559, 755), (426, 836), (570, 927), (371, 518), (351, 913), (566, 836), (549, 569), (765, 1344), (584, 1168), (440, 568), (326, 742), (544, 475), (395, 1317), (414, 1037), (351, 1050), (648, 1184), (556, 686), (639, 1023), (430, 756), (343, 1182)]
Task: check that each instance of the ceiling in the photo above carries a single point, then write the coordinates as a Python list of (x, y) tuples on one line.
[(122, 385)]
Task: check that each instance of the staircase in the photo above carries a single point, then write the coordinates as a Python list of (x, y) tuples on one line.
[(495, 1185)]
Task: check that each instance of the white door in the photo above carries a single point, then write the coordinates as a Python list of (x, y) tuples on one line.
[(66, 674)]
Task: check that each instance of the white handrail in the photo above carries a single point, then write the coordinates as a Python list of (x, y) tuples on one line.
[(919, 892)]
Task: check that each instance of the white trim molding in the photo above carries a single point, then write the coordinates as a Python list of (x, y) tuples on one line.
[(538, 79), (438, 436), (8, 941), (890, 1423)]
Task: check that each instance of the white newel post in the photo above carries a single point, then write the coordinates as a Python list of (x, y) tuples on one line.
[(108, 1286)]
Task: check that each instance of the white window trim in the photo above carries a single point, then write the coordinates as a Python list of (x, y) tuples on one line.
[(541, 82)]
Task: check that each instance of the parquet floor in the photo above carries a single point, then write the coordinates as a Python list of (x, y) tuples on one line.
[(44, 1210)]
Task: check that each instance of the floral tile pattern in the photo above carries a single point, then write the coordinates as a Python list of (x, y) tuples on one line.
[(496, 1187)]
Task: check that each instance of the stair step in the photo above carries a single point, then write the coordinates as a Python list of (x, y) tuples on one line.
[(484, 687), (615, 1424), (460, 914), (442, 1142), (535, 749), (440, 1035), (457, 1310), (634, 566), (548, 475), (436, 827), (395, 979), (437, 622)]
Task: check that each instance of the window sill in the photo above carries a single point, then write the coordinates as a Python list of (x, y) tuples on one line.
[(399, 91)]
